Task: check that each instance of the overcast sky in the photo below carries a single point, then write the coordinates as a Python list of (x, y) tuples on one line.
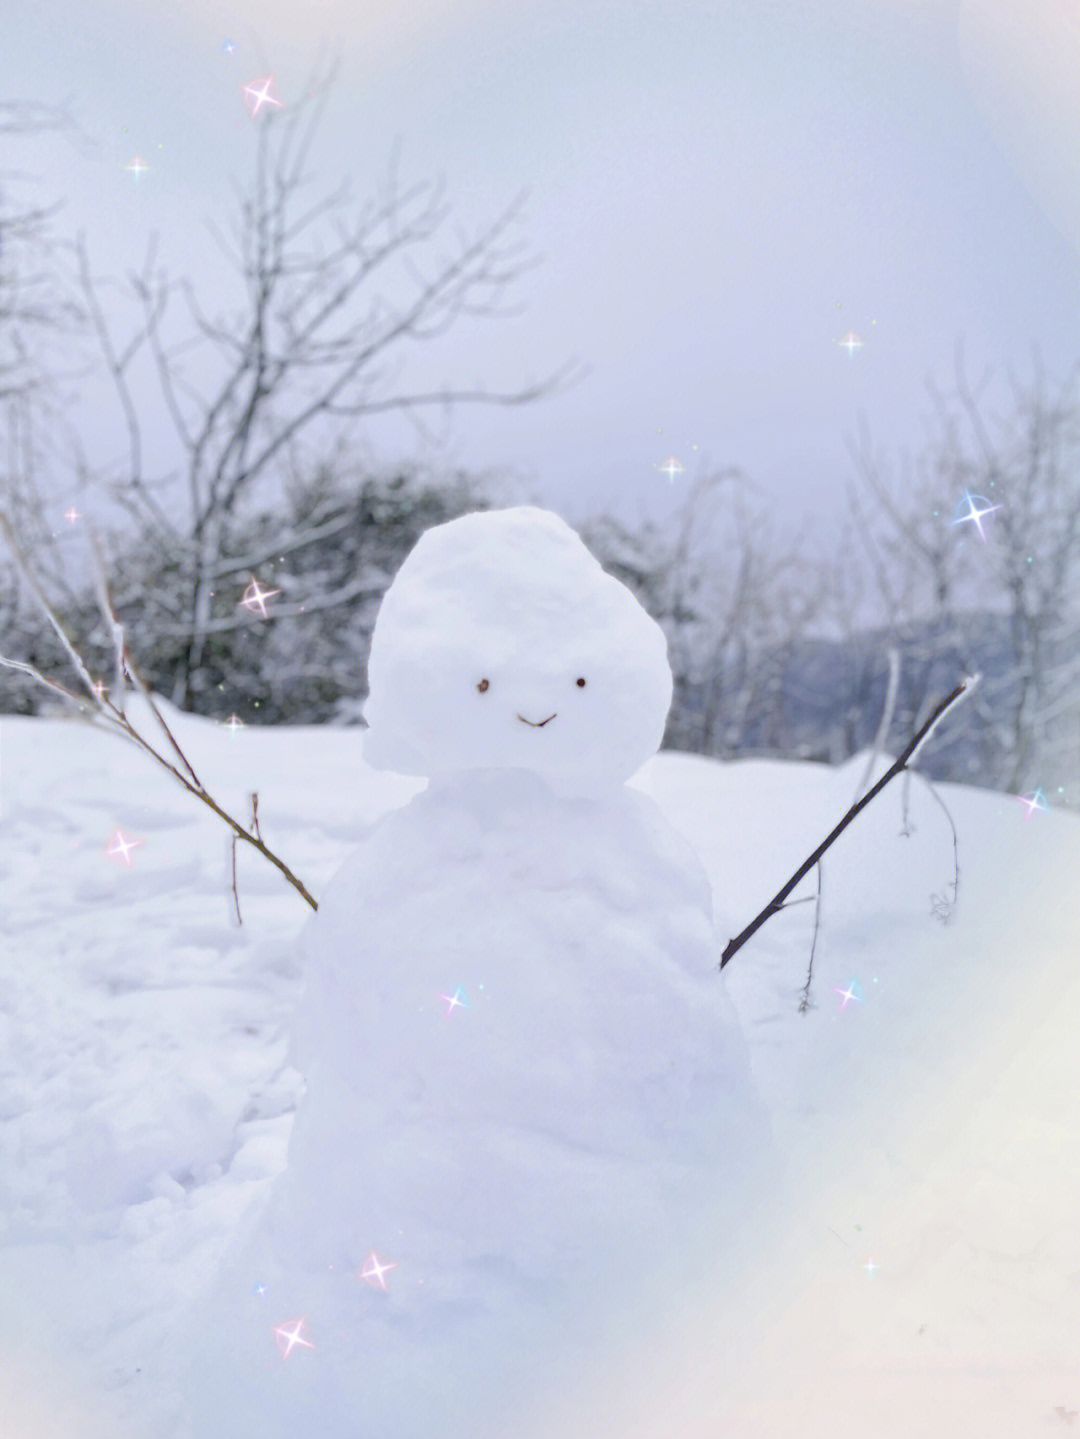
[(720, 192)]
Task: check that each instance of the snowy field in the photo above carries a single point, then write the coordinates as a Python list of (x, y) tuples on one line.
[(919, 1274)]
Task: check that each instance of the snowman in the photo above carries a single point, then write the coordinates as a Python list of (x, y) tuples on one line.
[(521, 1065)]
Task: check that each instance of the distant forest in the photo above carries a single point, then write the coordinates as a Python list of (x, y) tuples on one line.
[(767, 653)]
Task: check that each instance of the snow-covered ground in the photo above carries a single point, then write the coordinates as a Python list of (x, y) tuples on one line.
[(919, 1273)]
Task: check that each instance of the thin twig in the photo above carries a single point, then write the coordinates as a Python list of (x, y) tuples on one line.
[(941, 905), (916, 742), (886, 719), (235, 891), (28, 669), (126, 669), (118, 722), (35, 589), (905, 807), (805, 1003)]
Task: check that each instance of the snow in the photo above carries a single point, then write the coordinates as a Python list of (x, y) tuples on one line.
[(492, 620), (146, 1100)]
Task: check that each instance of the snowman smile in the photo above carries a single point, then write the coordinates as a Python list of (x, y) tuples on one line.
[(537, 724)]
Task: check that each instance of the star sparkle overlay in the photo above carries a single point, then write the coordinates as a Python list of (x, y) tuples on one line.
[(255, 598), (850, 343), (852, 992), (671, 468), (120, 847), (288, 1339), (137, 166), (870, 1267), (234, 723), (458, 1000), (71, 515), (373, 1270), (1035, 800), (255, 98), (974, 514)]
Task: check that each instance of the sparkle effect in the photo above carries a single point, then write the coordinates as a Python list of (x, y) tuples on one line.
[(255, 598), (71, 515), (870, 1266), (99, 689), (233, 723), (974, 513), (120, 847), (457, 1000), (1034, 801), (852, 992), (374, 1269), (137, 166), (671, 468), (850, 342), (228, 47), (289, 1338), (255, 98)]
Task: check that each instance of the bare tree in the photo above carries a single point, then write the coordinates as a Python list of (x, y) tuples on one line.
[(739, 602), (332, 305), (923, 568), (30, 304), (976, 556), (1032, 466), (37, 320)]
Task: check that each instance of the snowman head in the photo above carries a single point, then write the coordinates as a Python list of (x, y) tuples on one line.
[(502, 644)]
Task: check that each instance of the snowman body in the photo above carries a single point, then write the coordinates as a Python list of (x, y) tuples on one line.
[(507, 1039)]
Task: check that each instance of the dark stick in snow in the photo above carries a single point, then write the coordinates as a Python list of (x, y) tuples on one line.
[(909, 754)]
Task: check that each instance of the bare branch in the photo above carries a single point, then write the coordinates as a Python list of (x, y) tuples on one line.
[(235, 891), (36, 590), (363, 586), (943, 905), (28, 669), (806, 1003), (570, 374), (126, 669), (886, 719), (907, 757), (115, 363), (119, 722)]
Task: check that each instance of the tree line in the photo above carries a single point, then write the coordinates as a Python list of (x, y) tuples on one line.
[(962, 558)]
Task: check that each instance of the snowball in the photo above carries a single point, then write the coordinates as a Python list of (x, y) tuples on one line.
[(481, 646)]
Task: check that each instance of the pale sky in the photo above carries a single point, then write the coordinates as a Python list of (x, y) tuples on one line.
[(720, 192)]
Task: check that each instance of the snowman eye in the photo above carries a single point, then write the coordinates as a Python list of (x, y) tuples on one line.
[(580, 683), (483, 686)]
